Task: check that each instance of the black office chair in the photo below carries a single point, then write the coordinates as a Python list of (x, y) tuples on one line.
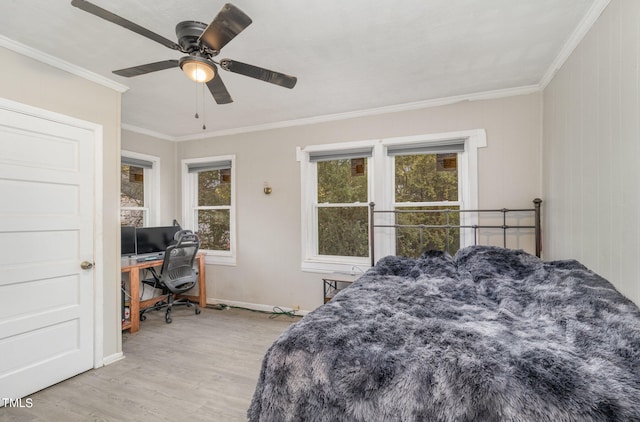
[(177, 274)]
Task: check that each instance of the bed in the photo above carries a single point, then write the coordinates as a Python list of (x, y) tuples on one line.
[(489, 334)]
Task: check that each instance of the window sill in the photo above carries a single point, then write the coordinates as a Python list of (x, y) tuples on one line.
[(211, 258), (318, 265)]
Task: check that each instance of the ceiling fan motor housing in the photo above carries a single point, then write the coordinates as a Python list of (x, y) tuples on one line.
[(188, 33)]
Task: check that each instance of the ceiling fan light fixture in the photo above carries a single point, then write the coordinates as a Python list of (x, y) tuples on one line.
[(198, 69)]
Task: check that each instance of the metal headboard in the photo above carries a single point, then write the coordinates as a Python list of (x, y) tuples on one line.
[(447, 226)]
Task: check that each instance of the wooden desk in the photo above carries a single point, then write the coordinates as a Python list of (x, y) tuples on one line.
[(133, 267)]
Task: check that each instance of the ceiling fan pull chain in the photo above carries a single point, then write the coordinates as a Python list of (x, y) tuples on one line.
[(204, 110), (196, 116)]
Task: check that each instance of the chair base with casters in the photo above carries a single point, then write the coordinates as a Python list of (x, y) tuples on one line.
[(167, 304), (176, 276)]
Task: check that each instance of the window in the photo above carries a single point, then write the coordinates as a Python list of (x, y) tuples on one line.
[(138, 189), (209, 205), (429, 183), (429, 173), (132, 209), (342, 207)]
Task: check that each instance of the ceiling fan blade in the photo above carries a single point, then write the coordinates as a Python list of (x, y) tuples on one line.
[(224, 27), (118, 20), (266, 75), (146, 68), (218, 90)]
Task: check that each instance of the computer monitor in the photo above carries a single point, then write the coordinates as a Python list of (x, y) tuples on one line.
[(128, 240), (154, 239)]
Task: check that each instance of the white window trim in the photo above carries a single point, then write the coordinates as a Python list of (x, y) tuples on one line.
[(151, 188), (188, 204), (381, 193), (311, 261)]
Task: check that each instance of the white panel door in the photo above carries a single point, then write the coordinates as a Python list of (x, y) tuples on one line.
[(46, 232)]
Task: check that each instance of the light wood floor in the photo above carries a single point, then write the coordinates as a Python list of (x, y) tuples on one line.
[(199, 368)]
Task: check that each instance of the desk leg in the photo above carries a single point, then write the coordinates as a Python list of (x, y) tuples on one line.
[(201, 297), (134, 289), (202, 283)]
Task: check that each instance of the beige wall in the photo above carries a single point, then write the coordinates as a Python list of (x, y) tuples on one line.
[(592, 150), (269, 238), (166, 151), (30, 82)]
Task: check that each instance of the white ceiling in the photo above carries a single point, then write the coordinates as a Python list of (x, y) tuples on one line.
[(349, 55)]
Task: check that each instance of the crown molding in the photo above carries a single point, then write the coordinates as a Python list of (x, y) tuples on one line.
[(40, 56), (143, 131), (438, 102), (574, 40)]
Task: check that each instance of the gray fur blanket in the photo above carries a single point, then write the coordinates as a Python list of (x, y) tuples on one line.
[(490, 335)]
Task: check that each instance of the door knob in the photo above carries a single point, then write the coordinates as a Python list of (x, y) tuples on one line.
[(86, 265)]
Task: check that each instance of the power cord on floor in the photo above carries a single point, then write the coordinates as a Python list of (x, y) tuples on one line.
[(277, 311)]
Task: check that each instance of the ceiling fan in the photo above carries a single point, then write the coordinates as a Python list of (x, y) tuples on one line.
[(201, 43)]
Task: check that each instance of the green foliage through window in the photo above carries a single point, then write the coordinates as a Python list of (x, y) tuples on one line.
[(214, 188), (338, 185), (343, 231), (343, 226), (424, 179), (213, 213), (213, 230), (419, 179), (413, 241)]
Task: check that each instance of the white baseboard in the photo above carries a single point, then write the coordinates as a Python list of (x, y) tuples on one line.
[(113, 358), (255, 306)]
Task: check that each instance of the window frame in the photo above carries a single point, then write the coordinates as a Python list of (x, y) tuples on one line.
[(189, 207), (311, 260), (382, 192), (151, 187), (315, 246), (395, 205)]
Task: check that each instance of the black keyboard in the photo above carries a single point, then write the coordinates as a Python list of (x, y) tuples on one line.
[(148, 258)]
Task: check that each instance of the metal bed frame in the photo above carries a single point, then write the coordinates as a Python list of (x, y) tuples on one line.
[(476, 227)]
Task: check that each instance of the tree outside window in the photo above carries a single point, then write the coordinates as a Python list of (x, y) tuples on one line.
[(213, 210), (342, 207), (132, 206), (429, 183)]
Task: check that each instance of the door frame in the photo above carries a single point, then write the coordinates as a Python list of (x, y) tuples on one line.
[(98, 215)]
